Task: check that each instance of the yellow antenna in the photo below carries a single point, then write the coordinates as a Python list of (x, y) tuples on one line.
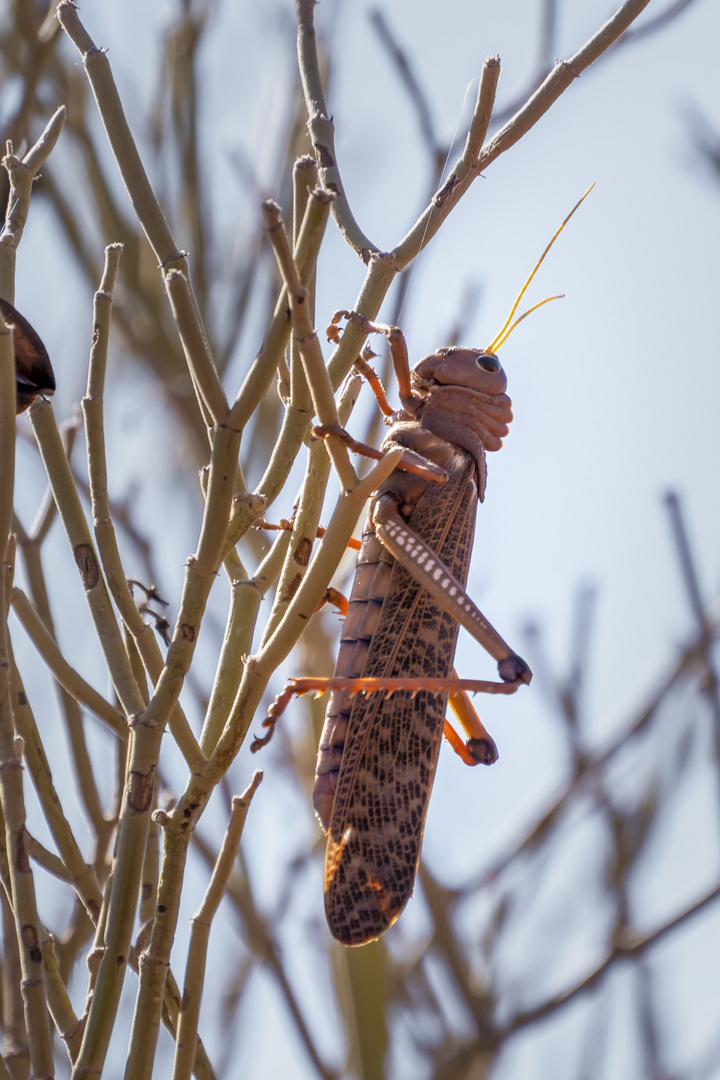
[(509, 325)]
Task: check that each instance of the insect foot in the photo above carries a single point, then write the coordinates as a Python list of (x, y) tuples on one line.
[(514, 669)]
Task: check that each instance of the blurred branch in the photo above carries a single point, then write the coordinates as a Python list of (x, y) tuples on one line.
[(690, 577), (635, 945), (688, 664), (416, 95), (135, 178), (651, 26), (261, 941)]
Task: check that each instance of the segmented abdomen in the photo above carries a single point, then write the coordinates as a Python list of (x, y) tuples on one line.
[(377, 755)]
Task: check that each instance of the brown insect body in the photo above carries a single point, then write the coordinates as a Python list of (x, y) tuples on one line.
[(378, 754), (33, 370)]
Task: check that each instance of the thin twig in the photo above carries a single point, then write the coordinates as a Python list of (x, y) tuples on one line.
[(200, 934)]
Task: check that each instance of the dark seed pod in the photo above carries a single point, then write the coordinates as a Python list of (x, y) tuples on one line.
[(33, 370)]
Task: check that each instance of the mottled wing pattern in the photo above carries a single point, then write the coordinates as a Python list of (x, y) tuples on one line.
[(392, 745)]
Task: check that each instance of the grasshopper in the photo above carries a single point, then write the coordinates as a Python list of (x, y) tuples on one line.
[(378, 753), (394, 674)]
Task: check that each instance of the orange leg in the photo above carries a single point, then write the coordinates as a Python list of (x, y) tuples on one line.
[(362, 367), (371, 378), (410, 461), (480, 747), (284, 525), (336, 598), (455, 686), (396, 342), (352, 543)]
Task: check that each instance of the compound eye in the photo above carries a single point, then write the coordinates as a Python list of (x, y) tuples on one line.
[(488, 362)]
